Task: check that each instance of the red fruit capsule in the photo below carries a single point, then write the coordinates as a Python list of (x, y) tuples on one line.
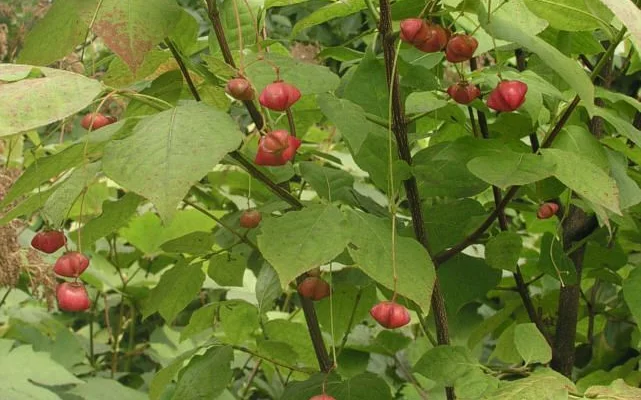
[(414, 30), (547, 210), (279, 96), (507, 96), (95, 121), (463, 92), (71, 264), (240, 89), (273, 152), (390, 315), (436, 39), (322, 397), (250, 219), (313, 288), (460, 48), (48, 241), (72, 296)]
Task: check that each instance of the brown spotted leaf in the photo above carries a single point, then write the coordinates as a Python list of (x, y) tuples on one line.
[(131, 28)]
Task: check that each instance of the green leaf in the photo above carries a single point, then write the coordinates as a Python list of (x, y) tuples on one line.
[(131, 28), (294, 334), (585, 178), (578, 140), (423, 102), (568, 15), (69, 20), (163, 378), (170, 151), (196, 243), (27, 207), (239, 320), (632, 293), (511, 168), (327, 13), (629, 191), (365, 87), (301, 240), (630, 15), (119, 75), (201, 319), (503, 25), (449, 223), (366, 386), (503, 251), (106, 389), (531, 344), (177, 288), (330, 184), (22, 367), (446, 364), (555, 262), (347, 304), (621, 126), (267, 288), (227, 269), (618, 390), (464, 278), (206, 376), (65, 194), (115, 215), (505, 349), (308, 78), (32, 103), (43, 169), (371, 249), (247, 13), (542, 384)]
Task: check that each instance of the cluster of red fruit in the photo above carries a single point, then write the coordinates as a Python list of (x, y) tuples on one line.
[(276, 147), (71, 296), (507, 96), (389, 314)]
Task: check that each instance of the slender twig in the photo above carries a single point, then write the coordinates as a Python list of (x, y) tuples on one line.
[(399, 127), (233, 231), (6, 294), (474, 236), (290, 120), (252, 375), (214, 17), (351, 321), (272, 361), (183, 68)]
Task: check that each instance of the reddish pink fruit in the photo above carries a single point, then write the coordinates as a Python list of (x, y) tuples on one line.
[(48, 241), (414, 30), (250, 219), (240, 89), (279, 96), (547, 210), (460, 48), (463, 92), (95, 121), (276, 148), (507, 96), (72, 296), (313, 288), (436, 39), (390, 315), (71, 264), (322, 397)]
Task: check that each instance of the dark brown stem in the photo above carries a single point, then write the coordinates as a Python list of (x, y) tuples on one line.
[(183, 68), (214, 17), (290, 120), (399, 128)]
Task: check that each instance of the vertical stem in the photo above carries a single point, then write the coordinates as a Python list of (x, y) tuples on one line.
[(399, 128), (183, 68)]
